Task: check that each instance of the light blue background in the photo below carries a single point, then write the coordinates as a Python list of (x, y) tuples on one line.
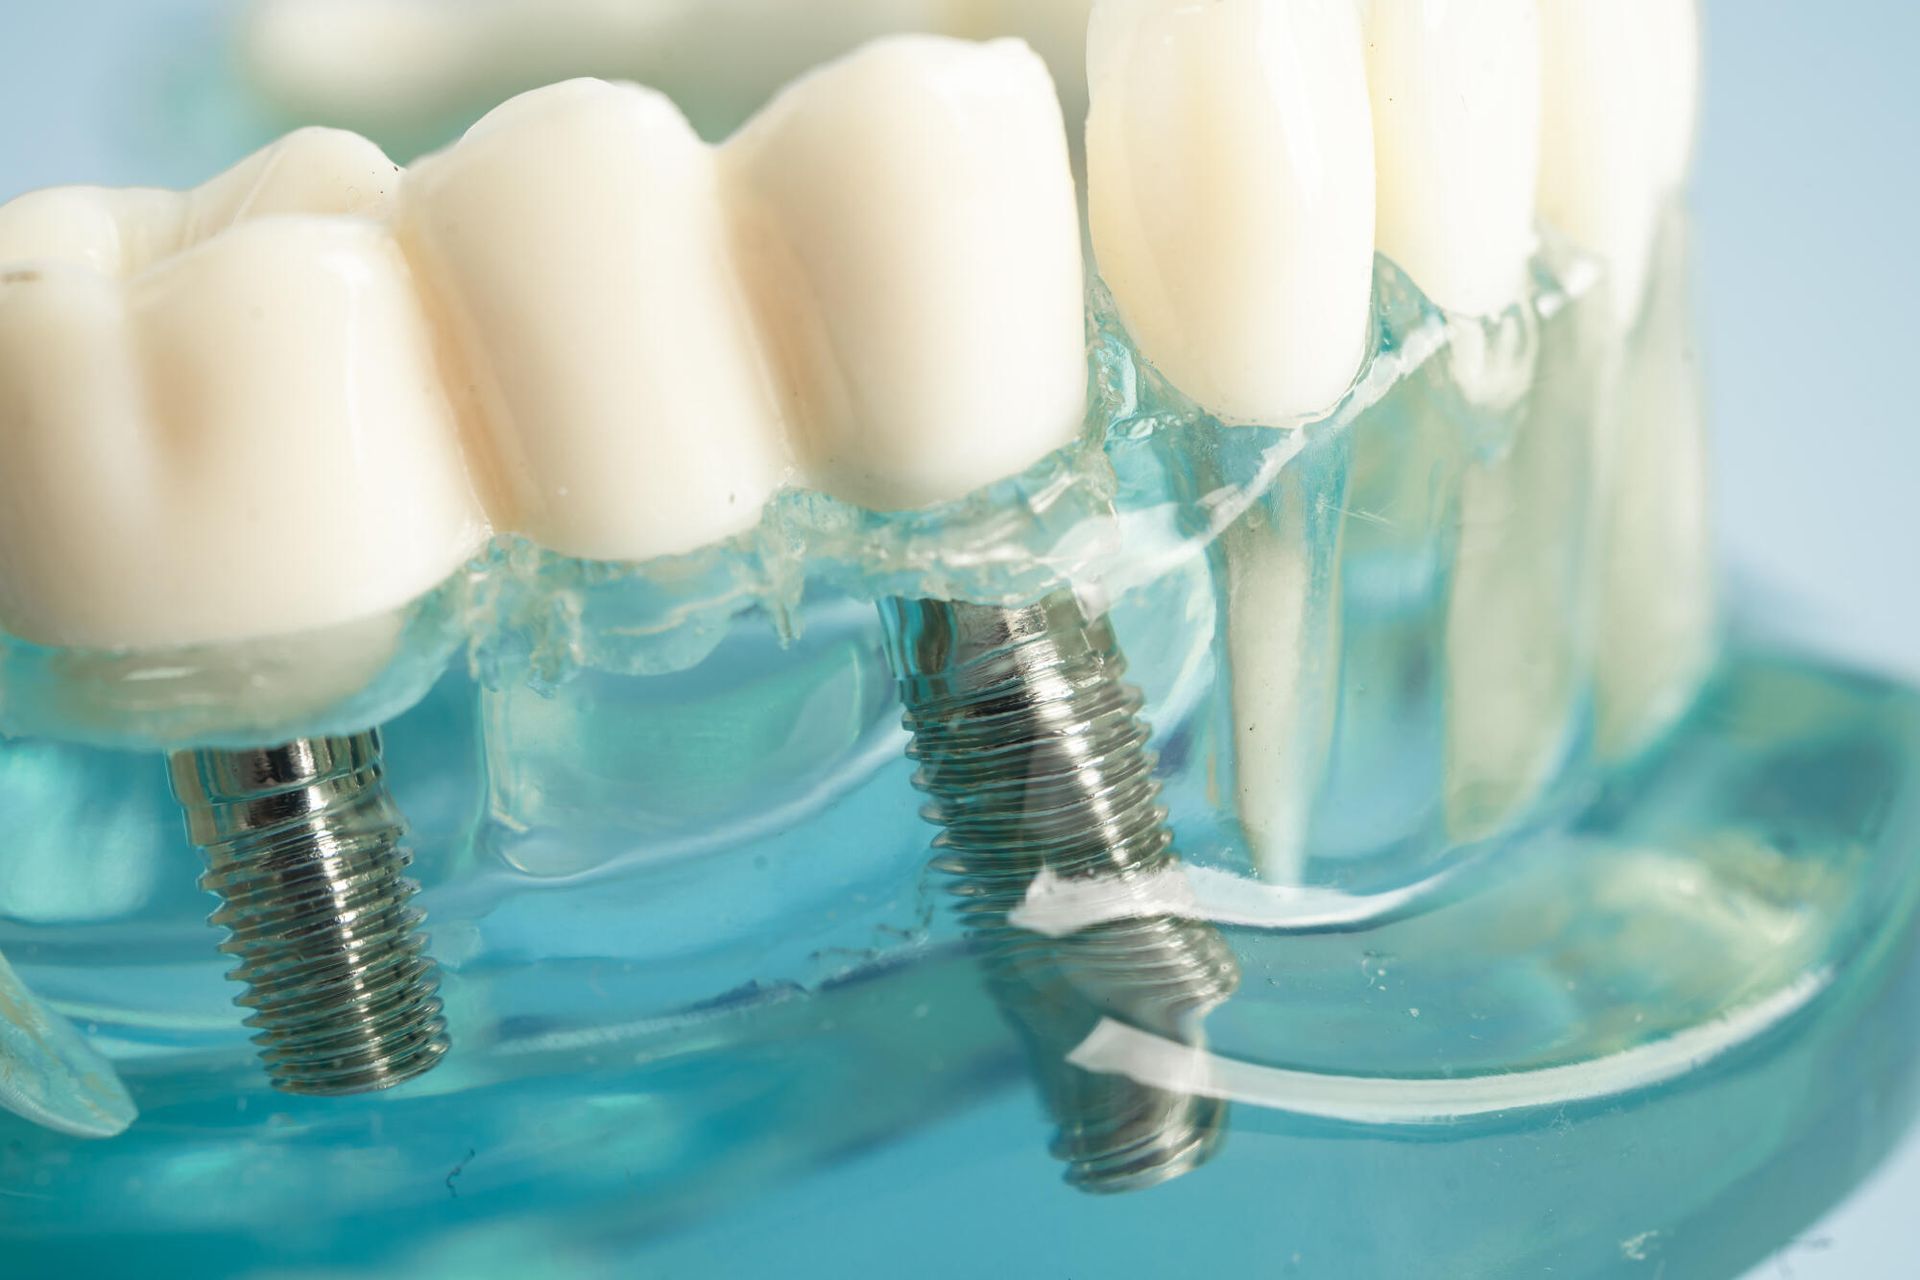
[(1810, 274)]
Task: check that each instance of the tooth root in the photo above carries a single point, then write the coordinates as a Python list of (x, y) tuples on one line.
[(578, 246), (1621, 88), (246, 440), (1231, 190), (907, 220), (1456, 120)]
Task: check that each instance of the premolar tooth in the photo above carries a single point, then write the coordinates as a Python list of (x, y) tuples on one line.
[(907, 217), (247, 439), (577, 239), (1456, 120), (1231, 188), (1621, 80)]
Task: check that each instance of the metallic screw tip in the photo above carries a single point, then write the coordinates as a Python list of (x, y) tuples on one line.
[(305, 851), (1034, 757)]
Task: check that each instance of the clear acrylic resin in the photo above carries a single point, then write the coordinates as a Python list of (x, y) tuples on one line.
[(1465, 917)]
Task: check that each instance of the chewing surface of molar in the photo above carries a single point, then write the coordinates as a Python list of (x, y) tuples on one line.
[(1456, 124), (576, 241), (1621, 85), (1230, 176), (907, 221), (220, 411)]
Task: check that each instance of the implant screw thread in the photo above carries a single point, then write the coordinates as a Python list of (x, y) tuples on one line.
[(1035, 759), (306, 852)]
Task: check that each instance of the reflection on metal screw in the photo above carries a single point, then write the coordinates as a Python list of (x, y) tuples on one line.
[(1031, 748), (305, 850)]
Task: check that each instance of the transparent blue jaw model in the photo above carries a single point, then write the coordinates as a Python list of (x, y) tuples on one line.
[(1473, 907)]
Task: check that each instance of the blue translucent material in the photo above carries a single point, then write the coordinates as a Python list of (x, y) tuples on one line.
[(1509, 996), (1675, 1025)]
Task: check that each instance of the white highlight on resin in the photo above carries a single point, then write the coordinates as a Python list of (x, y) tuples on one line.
[(1456, 124), (219, 410), (1622, 85), (908, 222), (577, 243), (1230, 183), (1113, 1048), (1056, 907)]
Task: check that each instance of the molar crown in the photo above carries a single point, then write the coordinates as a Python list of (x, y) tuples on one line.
[(218, 409), (577, 243), (908, 223)]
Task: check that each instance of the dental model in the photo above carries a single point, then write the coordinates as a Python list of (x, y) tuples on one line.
[(1249, 119), (584, 326), (218, 426), (1281, 129)]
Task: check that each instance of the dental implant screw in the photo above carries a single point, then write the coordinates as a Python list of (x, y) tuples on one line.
[(1031, 748), (306, 850)]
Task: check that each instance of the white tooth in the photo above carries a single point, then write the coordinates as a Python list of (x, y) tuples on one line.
[(577, 241), (246, 439), (1231, 189), (1456, 125), (907, 217), (1621, 81), (1456, 117), (122, 232)]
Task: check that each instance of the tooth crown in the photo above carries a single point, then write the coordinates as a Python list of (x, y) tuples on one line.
[(214, 410), (909, 221), (1456, 120), (577, 242), (300, 396), (1621, 94), (1231, 189)]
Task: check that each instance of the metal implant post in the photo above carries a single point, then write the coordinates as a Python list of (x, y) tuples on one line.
[(1032, 750), (306, 852)]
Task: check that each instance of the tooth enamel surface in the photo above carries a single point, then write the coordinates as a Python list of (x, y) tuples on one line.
[(1231, 190), (121, 232), (907, 220), (1621, 88), (246, 439), (577, 245), (1456, 121)]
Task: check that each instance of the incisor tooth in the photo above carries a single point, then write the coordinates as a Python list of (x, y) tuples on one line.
[(1231, 189), (1456, 124), (1621, 88), (907, 219), (577, 242)]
